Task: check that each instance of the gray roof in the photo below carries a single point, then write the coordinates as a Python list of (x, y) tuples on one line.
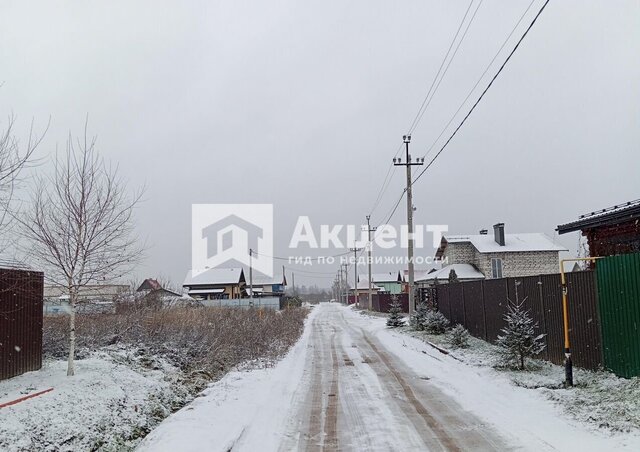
[(464, 272), (534, 241), (385, 277), (213, 276)]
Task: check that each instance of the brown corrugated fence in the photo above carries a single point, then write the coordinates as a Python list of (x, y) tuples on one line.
[(20, 321), (480, 307)]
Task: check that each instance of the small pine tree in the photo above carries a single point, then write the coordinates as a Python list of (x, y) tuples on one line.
[(459, 337), (519, 340), (395, 318), (417, 319), (453, 276), (435, 322)]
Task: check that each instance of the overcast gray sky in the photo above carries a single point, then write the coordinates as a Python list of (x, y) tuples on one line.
[(303, 103)]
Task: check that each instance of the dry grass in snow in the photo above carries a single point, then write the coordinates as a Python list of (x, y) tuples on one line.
[(134, 369)]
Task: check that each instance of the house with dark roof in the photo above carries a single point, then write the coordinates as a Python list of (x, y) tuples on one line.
[(267, 286), (610, 231), (499, 255), (151, 287), (216, 283)]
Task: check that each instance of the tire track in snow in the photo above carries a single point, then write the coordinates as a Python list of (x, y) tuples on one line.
[(451, 427)]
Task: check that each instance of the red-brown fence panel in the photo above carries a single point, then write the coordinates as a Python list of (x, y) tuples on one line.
[(480, 307), (20, 321), (474, 309)]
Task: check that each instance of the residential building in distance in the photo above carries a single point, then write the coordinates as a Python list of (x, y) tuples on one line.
[(268, 286), (216, 284), (92, 298), (92, 292), (388, 282), (151, 288), (501, 255)]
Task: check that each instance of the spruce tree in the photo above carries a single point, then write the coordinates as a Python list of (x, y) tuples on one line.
[(519, 340), (459, 337), (453, 276), (395, 318), (435, 322), (420, 314)]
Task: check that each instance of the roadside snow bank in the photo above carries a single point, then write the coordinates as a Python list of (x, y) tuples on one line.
[(517, 403), (598, 398), (109, 404)]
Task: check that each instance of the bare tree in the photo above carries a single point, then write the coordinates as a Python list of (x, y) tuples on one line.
[(80, 225), (14, 157)]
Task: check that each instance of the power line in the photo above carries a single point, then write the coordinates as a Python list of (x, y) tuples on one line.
[(483, 93), (383, 189), (297, 270), (427, 100), (421, 114), (424, 101), (282, 258), (472, 89), (504, 43)]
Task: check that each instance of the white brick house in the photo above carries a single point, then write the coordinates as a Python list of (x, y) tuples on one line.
[(502, 255)]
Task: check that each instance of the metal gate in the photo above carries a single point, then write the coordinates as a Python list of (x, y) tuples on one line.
[(619, 303)]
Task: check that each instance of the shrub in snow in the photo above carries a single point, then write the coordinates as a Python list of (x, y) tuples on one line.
[(395, 314), (453, 276), (459, 337), (417, 319), (435, 322), (519, 340)]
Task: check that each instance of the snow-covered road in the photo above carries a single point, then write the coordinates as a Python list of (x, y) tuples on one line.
[(351, 384), (361, 397)]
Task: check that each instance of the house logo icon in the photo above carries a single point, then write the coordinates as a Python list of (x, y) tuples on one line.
[(223, 235)]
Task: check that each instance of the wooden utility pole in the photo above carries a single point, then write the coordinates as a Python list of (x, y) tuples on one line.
[(408, 164), (370, 245), (250, 277), (355, 274), (346, 284)]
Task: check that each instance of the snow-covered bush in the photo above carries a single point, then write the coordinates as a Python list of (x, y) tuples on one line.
[(425, 319), (435, 322), (459, 337), (417, 319), (519, 340), (395, 318)]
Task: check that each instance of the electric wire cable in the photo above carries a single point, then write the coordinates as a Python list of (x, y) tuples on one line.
[(483, 93), (424, 101), (446, 69), (504, 43), (427, 100)]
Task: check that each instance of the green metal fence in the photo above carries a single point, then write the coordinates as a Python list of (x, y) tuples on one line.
[(619, 304)]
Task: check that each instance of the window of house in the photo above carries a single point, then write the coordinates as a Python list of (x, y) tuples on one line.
[(496, 268)]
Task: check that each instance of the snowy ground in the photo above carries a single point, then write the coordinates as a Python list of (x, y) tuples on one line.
[(111, 402), (599, 399), (352, 384)]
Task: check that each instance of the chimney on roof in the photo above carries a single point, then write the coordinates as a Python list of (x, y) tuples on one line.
[(498, 233), (483, 232)]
